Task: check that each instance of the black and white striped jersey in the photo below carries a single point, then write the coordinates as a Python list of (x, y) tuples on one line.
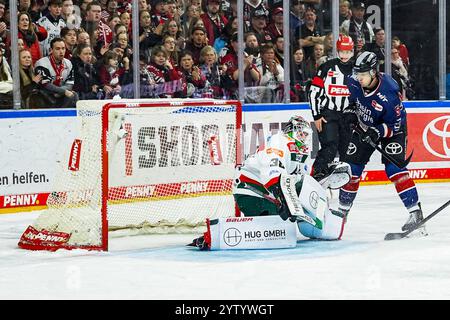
[(329, 87)]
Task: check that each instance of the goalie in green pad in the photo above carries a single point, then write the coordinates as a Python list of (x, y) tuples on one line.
[(276, 195)]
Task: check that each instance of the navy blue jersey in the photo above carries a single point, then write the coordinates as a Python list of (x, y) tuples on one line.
[(382, 108)]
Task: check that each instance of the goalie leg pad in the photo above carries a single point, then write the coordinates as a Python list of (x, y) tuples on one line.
[(267, 232)]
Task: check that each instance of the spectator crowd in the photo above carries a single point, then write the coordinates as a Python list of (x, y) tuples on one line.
[(71, 50)]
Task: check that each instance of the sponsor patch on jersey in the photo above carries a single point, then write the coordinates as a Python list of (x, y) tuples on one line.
[(293, 147), (377, 106), (278, 152), (338, 90), (331, 73), (398, 110)]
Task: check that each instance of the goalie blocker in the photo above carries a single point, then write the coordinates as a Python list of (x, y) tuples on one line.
[(310, 215)]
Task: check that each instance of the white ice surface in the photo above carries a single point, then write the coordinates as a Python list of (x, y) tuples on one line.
[(361, 266)]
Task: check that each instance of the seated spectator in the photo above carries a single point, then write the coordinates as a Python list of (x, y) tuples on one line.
[(312, 63), (121, 42), (344, 11), (57, 76), (171, 51), (258, 25), (72, 20), (70, 39), (214, 20), (222, 43), (272, 75), (87, 82), (357, 27), (196, 22), (309, 34), (83, 37), (377, 47), (216, 74), (399, 71), (254, 8), (275, 28), (173, 28), (113, 20), (53, 23), (230, 60), (6, 83), (402, 49), (299, 81), (162, 71), (196, 43), (278, 46), (327, 48), (31, 96), (148, 35), (192, 76), (191, 12), (125, 19), (111, 74), (31, 34), (99, 32)]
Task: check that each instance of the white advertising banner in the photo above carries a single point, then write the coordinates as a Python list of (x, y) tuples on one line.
[(34, 147)]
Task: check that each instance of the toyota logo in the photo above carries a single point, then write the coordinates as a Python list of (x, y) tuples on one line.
[(351, 149), (443, 152), (394, 148), (232, 237), (313, 199)]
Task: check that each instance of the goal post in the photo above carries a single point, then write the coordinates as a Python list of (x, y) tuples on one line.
[(159, 165)]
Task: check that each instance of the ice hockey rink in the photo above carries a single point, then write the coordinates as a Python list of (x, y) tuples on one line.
[(361, 266)]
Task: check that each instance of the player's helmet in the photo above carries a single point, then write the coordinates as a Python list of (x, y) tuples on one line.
[(344, 43), (366, 61), (300, 130)]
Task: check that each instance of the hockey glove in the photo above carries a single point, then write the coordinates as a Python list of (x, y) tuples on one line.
[(349, 117), (370, 135)]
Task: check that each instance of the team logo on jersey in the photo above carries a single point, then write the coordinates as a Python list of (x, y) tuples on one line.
[(394, 148), (338, 91), (377, 106)]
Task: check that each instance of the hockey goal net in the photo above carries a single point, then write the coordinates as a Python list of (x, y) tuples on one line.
[(164, 164)]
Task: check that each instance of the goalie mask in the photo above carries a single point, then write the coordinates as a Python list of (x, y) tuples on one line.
[(300, 130)]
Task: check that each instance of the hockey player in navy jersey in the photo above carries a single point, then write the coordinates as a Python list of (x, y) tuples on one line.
[(380, 114)]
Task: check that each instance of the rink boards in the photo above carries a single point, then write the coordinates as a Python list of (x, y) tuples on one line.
[(33, 143)]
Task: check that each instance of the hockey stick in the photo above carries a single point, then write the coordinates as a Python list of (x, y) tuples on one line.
[(400, 165), (277, 203), (400, 235)]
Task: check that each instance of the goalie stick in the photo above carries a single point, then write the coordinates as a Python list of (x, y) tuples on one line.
[(299, 216), (400, 235)]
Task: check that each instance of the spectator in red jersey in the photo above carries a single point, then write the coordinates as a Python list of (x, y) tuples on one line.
[(111, 74), (402, 49), (169, 45), (214, 20), (197, 42), (275, 28), (31, 34), (100, 33), (161, 71), (70, 39)]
